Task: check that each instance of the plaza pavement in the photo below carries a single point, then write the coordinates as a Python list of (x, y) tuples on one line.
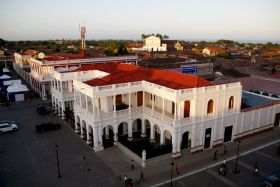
[(158, 170)]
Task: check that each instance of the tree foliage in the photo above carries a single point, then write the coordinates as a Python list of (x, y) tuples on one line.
[(143, 36), (116, 48)]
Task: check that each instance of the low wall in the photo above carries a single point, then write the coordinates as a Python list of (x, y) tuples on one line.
[(130, 153)]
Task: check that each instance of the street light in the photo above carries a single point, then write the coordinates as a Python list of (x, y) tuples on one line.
[(236, 170), (57, 161), (171, 183)]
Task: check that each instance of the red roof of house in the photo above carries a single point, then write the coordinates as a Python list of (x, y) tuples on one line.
[(124, 73)]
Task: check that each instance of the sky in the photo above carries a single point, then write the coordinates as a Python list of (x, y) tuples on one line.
[(248, 20)]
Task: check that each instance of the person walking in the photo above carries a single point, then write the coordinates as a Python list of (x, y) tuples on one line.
[(215, 155), (221, 170), (141, 177), (132, 165), (256, 171), (125, 179)]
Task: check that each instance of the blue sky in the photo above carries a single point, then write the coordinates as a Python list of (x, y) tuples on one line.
[(128, 19)]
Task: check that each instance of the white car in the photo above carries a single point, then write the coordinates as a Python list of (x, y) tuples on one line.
[(6, 126)]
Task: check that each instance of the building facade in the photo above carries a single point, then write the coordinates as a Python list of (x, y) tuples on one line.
[(115, 100), (153, 43), (35, 67)]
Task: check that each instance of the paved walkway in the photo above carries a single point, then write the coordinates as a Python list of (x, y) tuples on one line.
[(158, 170)]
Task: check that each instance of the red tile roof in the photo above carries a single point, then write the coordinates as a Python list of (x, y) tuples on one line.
[(124, 73)]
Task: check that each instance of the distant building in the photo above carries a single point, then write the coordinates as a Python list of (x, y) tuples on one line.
[(178, 46), (153, 43), (212, 51), (36, 68)]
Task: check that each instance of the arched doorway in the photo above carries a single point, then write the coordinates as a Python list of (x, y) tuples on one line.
[(167, 138), (78, 125), (136, 128), (157, 133), (122, 132), (83, 130), (185, 140), (90, 135), (147, 128), (108, 136)]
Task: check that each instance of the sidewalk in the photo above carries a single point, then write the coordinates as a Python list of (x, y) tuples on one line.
[(158, 169)]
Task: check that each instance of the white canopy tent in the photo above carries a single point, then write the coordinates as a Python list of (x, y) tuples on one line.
[(17, 88)]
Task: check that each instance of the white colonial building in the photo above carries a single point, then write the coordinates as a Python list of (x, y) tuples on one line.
[(115, 100), (36, 67), (153, 43)]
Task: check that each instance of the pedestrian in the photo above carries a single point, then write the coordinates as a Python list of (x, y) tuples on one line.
[(224, 162), (132, 165), (256, 171), (225, 172), (177, 168), (215, 155), (221, 170), (141, 177), (125, 180), (225, 150)]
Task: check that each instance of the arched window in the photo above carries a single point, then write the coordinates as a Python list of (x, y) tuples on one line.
[(231, 102), (210, 106)]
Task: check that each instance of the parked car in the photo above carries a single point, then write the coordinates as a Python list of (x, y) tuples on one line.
[(42, 109), (7, 126), (271, 181), (47, 127)]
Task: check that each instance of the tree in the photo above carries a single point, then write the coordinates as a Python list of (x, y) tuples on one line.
[(116, 48), (165, 37), (268, 46), (2, 42)]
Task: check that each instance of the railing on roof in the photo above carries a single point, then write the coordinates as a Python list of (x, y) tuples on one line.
[(91, 60)]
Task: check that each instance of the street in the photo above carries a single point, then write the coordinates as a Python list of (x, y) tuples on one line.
[(268, 162), (28, 158)]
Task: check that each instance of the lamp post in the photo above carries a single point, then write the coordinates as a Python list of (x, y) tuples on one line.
[(236, 170), (171, 183), (57, 161)]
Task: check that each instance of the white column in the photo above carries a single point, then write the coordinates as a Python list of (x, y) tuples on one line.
[(152, 134), (115, 134), (129, 100), (114, 100), (175, 110), (130, 131), (89, 139), (100, 136), (174, 143), (61, 88), (80, 97), (93, 106), (143, 129), (153, 104), (179, 140), (162, 138), (96, 146), (143, 98), (98, 109), (86, 103), (77, 128), (63, 110), (163, 103)]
